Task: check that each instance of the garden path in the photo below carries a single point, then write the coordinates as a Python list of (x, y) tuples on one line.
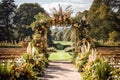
[(61, 70)]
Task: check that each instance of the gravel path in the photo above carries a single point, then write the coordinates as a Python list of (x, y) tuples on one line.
[(61, 70)]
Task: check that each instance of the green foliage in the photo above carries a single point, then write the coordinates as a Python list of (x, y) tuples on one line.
[(26, 13), (100, 70), (4, 70), (81, 61), (102, 20), (40, 26), (42, 17), (7, 12), (24, 17), (59, 46), (59, 36), (67, 34), (107, 43), (103, 70), (54, 32), (73, 57), (10, 71), (64, 42), (81, 15), (26, 67), (94, 67), (82, 57), (39, 62), (49, 38), (41, 20), (114, 36)]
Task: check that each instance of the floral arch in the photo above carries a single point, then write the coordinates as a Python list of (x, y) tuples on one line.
[(59, 18)]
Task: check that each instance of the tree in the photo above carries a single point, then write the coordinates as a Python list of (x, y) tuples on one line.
[(114, 36), (112, 3), (102, 20), (49, 38), (67, 34), (24, 17), (26, 13), (59, 36), (7, 11), (54, 32)]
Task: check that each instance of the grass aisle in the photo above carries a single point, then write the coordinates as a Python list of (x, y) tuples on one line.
[(60, 55)]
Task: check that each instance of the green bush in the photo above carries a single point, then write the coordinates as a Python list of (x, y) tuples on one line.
[(59, 46)]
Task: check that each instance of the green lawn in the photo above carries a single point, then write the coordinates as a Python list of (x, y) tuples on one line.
[(60, 55)]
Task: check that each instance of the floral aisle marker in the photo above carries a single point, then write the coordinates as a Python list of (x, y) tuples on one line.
[(93, 66)]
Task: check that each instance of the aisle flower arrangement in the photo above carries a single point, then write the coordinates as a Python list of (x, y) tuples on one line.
[(23, 68), (11, 71), (93, 66), (82, 57)]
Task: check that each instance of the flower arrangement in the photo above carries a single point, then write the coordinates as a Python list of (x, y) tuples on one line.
[(27, 67), (82, 57), (93, 66), (10, 71), (100, 69)]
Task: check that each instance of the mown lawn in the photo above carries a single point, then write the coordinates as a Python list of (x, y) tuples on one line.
[(60, 55)]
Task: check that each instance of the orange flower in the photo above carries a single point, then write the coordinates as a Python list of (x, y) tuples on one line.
[(17, 69)]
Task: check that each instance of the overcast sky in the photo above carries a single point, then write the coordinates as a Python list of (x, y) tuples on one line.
[(76, 5)]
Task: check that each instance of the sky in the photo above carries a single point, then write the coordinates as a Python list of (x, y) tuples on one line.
[(76, 5)]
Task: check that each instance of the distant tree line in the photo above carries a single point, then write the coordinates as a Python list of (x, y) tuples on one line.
[(66, 34)]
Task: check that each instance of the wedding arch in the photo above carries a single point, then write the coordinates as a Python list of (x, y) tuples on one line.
[(58, 18)]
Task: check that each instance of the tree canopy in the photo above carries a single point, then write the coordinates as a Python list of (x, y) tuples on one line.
[(7, 12), (24, 17), (102, 20)]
